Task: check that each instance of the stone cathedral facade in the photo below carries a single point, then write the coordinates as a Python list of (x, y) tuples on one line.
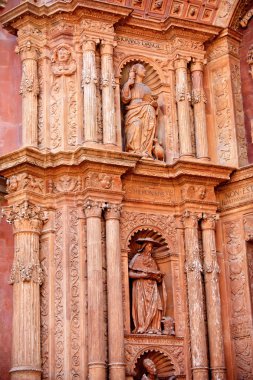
[(126, 189)]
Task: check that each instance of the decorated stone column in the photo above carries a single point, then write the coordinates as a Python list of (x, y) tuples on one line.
[(96, 334), (193, 269), (183, 98), (90, 90), (29, 90), (26, 277), (211, 270), (199, 101), (114, 291), (108, 86)]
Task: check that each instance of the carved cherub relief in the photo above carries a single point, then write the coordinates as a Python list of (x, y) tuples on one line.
[(62, 61)]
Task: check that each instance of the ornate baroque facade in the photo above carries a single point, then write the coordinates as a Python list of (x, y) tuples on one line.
[(126, 179)]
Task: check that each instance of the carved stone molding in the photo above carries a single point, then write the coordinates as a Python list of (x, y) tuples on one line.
[(136, 347), (165, 225), (93, 209), (25, 181), (65, 184)]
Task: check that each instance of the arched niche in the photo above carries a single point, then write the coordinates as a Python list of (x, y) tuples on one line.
[(162, 257), (156, 81), (165, 364)]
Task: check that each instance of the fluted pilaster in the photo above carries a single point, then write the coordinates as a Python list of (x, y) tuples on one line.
[(198, 101), (96, 334), (90, 90), (183, 103), (26, 278), (115, 301), (193, 268), (211, 271), (108, 86), (29, 90)]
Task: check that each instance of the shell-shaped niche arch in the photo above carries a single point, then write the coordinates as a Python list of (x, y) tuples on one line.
[(151, 79), (164, 366), (146, 232)]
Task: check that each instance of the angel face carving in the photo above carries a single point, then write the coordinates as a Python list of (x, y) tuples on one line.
[(62, 60)]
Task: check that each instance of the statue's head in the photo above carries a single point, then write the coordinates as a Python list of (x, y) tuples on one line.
[(137, 69), (149, 365)]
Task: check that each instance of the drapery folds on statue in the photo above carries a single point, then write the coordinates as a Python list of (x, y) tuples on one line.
[(148, 301)]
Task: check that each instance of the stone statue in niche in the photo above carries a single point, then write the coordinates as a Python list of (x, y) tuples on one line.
[(148, 303), (150, 368), (140, 118), (62, 61)]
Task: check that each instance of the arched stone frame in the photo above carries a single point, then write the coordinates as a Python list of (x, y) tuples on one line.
[(163, 89), (165, 227), (173, 354)]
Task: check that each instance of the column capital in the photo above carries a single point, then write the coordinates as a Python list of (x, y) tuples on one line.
[(208, 221), (112, 211), (89, 43), (181, 62), (25, 216), (107, 46), (93, 209), (197, 65), (190, 219), (28, 50)]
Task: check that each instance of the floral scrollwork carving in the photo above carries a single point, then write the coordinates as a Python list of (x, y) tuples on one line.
[(24, 211)]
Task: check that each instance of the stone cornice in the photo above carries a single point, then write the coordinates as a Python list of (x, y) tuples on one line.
[(89, 8), (118, 161)]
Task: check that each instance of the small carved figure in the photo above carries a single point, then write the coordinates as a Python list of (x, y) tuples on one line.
[(147, 303), (140, 119), (150, 367), (168, 326), (62, 61), (158, 150), (158, 4), (250, 60)]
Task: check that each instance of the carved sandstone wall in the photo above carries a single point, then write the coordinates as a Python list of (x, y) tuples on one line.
[(247, 85)]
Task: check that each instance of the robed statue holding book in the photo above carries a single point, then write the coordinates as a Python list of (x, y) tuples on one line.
[(148, 290)]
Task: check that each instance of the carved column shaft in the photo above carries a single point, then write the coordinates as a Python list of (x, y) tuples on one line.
[(115, 301), (182, 99), (199, 100), (211, 270), (96, 352), (195, 299), (108, 85), (29, 90), (90, 91), (26, 277)]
